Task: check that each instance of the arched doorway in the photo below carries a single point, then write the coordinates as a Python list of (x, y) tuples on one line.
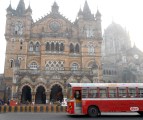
[(56, 93), (40, 97), (26, 95)]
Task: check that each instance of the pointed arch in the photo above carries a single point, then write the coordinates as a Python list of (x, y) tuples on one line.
[(77, 48), (57, 47), (11, 63), (61, 47), (52, 46), (37, 47), (48, 48), (31, 46), (71, 48)]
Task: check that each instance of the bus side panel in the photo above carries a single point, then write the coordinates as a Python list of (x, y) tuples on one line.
[(113, 105), (70, 107)]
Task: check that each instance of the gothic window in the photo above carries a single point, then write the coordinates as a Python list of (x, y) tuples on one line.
[(48, 46), (37, 47), (91, 49), (33, 65), (77, 48), (11, 63), (57, 47), (104, 72), (52, 47), (74, 66), (71, 48), (61, 47), (31, 46)]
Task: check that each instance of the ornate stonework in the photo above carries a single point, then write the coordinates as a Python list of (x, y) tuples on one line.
[(42, 57)]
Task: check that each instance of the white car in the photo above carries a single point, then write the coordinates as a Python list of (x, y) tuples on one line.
[(64, 102)]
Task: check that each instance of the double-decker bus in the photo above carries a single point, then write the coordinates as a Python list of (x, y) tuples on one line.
[(94, 98)]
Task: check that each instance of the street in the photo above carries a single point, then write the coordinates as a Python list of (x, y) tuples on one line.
[(65, 116)]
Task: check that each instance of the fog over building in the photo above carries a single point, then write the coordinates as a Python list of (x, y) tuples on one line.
[(121, 62)]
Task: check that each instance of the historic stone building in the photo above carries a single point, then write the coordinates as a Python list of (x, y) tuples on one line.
[(43, 56), (121, 62)]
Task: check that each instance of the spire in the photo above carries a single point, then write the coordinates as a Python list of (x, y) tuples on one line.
[(80, 12), (87, 12), (29, 9), (9, 7), (98, 15), (55, 8), (86, 9), (21, 7)]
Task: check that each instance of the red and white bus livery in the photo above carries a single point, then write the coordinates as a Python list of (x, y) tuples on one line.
[(94, 98)]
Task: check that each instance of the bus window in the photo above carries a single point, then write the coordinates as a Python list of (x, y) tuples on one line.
[(77, 94), (103, 92), (112, 92), (84, 92), (140, 92), (132, 92), (93, 93), (122, 92)]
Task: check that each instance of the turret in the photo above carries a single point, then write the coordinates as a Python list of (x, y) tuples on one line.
[(80, 14), (55, 8), (98, 25), (20, 10), (9, 9), (29, 10), (87, 12)]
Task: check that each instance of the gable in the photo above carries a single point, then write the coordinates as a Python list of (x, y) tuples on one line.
[(54, 23)]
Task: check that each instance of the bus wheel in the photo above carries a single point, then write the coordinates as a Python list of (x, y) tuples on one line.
[(141, 113), (93, 111)]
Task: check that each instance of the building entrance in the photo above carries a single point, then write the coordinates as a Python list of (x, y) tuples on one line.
[(40, 97), (56, 94), (26, 95)]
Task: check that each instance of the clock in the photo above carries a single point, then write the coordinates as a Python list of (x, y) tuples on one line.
[(54, 26), (18, 29), (136, 56)]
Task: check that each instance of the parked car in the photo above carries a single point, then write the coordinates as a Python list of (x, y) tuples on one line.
[(64, 102)]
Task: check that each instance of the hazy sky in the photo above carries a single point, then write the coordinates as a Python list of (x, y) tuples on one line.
[(127, 13)]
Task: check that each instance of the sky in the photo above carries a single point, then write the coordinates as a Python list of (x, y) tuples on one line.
[(127, 13)]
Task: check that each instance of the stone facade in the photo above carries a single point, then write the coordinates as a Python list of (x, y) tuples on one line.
[(121, 62), (44, 56)]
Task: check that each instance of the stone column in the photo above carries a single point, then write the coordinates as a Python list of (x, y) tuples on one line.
[(19, 97), (47, 96), (33, 97)]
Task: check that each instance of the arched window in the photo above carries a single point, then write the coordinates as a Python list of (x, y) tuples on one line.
[(91, 49), (52, 47), (77, 48), (31, 46), (71, 48), (48, 46), (33, 65), (57, 47), (11, 63), (61, 47), (74, 66), (104, 72), (37, 47)]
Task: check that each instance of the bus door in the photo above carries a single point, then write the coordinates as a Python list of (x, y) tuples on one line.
[(77, 105)]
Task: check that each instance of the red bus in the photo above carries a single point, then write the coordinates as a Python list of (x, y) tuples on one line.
[(93, 98)]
